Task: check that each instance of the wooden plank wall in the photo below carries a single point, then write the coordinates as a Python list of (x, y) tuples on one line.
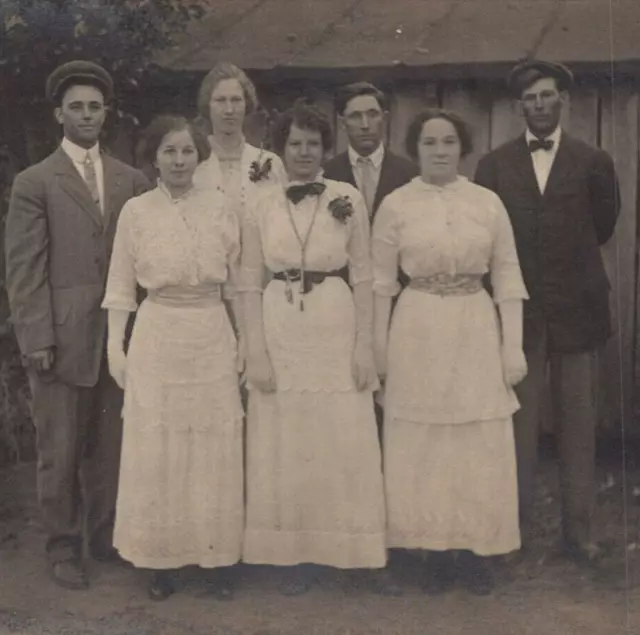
[(599, 116)]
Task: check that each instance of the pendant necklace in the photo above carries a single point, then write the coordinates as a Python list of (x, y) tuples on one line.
[(303, 242)]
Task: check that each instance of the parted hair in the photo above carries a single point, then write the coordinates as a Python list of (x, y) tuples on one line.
[(305, 116), (163, 125), (346, 93), (415, 130), (225, 70)]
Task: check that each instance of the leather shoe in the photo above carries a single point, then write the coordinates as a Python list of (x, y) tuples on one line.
[(69, 574), (587, 554)]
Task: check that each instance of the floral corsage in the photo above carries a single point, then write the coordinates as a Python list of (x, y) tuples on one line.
[(341, 209), (259, 171)]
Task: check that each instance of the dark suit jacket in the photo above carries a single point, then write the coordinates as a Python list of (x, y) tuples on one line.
[(558, 236), (395, 171), (58, 246)]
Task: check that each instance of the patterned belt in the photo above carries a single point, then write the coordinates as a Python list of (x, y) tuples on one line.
[(187, 297), (447, 284)]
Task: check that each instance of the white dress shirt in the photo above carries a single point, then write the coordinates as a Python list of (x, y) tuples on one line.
[(376, 160), (543, 159), (78, 156)]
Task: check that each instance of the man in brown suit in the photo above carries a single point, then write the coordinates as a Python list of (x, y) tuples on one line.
[(563, 201), (59, 233)]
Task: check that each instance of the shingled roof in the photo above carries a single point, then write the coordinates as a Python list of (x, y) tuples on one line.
[(460, 36)]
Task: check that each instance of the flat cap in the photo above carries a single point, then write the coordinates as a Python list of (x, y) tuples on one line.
[(530, 71), (81, 72)]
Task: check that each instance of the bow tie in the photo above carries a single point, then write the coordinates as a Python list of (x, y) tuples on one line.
[(295, 193), (540, 144)]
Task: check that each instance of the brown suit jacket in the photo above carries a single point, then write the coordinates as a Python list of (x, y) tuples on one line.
[(58, 245)]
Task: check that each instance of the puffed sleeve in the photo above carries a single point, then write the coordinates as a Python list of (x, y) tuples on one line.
[(504, 268), (120, 293), (250, 279), (359, 244), (231, 240), (385, 251)]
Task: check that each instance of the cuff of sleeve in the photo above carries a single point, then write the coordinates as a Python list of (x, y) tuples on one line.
[(119, 304), (504, 295), (229, 291), (33, 337), (387, 290)]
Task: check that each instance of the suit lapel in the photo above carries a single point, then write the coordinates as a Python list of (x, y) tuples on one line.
[(112, 185), (72, 183), (346, 170), (523, 164), (385, 183), (562, 165)]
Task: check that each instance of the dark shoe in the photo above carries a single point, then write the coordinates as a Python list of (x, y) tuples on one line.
[(220, 585), (585, 555), (297, 581), (439, 576), (382, 583), (161, 586), (475, 574), (103, 553), (69, 573)]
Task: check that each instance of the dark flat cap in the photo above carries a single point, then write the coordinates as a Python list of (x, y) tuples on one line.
[(528, 72), (81, 72)]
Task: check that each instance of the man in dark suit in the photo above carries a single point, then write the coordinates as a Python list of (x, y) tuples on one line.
[(367, 164), (59, 234), (563, 200)]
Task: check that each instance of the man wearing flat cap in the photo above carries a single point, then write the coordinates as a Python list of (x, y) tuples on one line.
[(563, 200), (59, 233)]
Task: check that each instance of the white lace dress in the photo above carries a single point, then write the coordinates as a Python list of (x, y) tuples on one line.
[(449, 454), (314, 479), (180, 499)]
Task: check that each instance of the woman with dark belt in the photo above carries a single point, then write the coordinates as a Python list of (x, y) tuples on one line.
[(314, 480), (180, 500), (448, 361)]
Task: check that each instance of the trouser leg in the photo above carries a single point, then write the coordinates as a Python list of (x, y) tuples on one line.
[(100, 459), (531, 394), (55, 408), (573, 380)]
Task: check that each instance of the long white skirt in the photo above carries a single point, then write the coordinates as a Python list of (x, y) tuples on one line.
[(449, 451), (314, 478), (180, 499)]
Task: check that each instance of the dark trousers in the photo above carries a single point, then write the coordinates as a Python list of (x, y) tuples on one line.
[(79, 434), (572, 381)]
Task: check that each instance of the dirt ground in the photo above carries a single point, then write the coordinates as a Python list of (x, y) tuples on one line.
[(542, 595)]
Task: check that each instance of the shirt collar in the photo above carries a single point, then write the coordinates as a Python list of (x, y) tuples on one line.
[(78, 154), (165, 190), (376, 156), (554, 136), (319, 178)]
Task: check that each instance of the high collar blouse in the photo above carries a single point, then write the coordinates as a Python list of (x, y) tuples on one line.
[(460, 228)]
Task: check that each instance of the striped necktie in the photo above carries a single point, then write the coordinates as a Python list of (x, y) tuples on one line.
[(367, 182), (91, 179)]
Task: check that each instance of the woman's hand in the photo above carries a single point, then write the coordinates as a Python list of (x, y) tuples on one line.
[(380, 356), (117, 364), (363, 367), (260, 373), (241, 358), (514, 365)]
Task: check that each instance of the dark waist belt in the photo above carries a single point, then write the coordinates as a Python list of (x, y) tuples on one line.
[(311, 278)]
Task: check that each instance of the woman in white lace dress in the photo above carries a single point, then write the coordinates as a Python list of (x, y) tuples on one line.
[(314, 480), (180, 500), (449, 362)]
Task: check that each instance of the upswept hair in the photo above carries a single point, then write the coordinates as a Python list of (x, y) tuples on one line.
[(415, 129), (163, 125), (225, 70), (306, 117)]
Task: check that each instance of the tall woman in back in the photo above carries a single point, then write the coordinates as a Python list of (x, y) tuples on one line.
[(449, 363)]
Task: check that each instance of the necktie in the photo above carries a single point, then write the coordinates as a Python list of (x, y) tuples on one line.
[(367, 182), (540, 144), (295, 193), (91, 180)]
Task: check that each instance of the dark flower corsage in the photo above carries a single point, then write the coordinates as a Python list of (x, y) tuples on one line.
[(260, 171), (341, 209)]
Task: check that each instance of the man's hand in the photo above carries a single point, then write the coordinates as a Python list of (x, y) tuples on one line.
[(41, 361)]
